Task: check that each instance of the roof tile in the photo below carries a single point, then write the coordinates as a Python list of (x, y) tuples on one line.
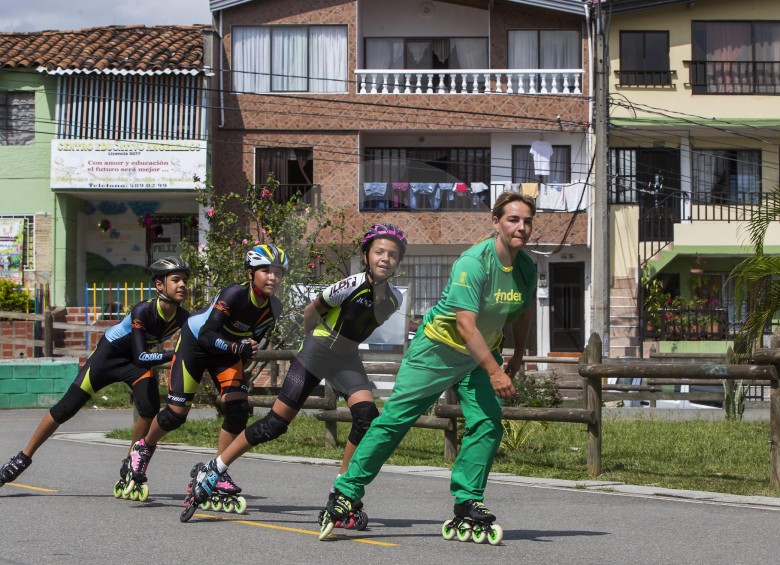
[(113, 48)]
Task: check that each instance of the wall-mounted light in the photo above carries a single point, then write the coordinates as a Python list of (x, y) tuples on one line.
[(542, 281)]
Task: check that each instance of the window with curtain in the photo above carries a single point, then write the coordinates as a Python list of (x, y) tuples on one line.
[(622, 176), (726, 176), (737, 57), (291, 167), (17, 117), (545, 49), (426, 53), (523, 169), (290, 58), (644, 58)]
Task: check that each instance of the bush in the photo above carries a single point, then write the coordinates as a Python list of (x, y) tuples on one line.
[(13, 298)]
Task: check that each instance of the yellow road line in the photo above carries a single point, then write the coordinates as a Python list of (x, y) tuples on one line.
[(296, 530), (29, 487)]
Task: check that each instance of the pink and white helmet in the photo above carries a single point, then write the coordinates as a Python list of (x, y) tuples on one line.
[(387, 231)]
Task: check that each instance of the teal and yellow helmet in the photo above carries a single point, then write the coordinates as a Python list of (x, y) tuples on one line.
[(266, 255)]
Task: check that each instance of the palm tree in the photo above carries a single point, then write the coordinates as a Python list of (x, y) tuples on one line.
[(754, 285)]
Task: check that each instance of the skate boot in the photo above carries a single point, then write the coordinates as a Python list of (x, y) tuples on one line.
[(202, 487), (473, 521), (226, 497), (338, 511), (135, 479), (14, 468), (357, 519)]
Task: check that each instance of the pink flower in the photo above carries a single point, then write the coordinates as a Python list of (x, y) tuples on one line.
[(210, 212), (263, 232), (311, 266), (202, 247), (265, 194), (244, 241), (257, 242)]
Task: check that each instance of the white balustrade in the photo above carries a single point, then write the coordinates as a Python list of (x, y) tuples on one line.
[(467, 81)]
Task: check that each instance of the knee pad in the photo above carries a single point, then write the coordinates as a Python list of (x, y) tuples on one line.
[(268, 428), (363, 413), (168, 420), (73, 401), (236, 416)]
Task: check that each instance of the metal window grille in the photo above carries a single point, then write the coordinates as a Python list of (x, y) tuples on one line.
[(427, 276)]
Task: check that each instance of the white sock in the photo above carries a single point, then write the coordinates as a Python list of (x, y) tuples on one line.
[(332, 488), (221, 467)]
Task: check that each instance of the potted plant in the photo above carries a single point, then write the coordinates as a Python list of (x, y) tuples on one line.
[(655, 301)]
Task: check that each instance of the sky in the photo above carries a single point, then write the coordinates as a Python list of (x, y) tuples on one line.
[(66, 15)]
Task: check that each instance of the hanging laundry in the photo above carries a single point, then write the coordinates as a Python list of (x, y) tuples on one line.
[(551, 197), (542, 151)]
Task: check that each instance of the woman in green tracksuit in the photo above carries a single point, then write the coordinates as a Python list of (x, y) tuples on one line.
[(492, 284)]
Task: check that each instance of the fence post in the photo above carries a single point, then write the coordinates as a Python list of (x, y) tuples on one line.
[(774, 421), (592, 393), (331, 428), (48, 333), (451, 435)]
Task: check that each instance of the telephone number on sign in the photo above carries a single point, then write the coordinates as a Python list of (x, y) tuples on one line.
[(148, 185)]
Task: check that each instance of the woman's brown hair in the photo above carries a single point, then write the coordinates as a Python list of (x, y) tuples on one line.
[(511, 196)]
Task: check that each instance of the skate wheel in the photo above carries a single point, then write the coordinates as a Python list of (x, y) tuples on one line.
[(447, 531), (118, 489), (128, 489), (216, 505), (143, 493), (464, 533), (240, 505), (326, 529), (361, 520), (205, 505), (479, 535), (228, 506), (134, 495), (187, 513), (495, 535)]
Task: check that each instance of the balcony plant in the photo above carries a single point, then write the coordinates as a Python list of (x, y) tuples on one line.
[(655, 301)]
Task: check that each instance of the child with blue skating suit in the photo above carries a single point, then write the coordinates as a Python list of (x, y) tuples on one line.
[(492, 284), (219, 338), (122, 355), (339, 319)]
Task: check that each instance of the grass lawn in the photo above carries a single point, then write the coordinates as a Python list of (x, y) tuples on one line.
[(717, 456)]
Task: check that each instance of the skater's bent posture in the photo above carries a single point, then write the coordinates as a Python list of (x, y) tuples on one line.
[(458, 345), (220, 338), (340, 318), (123, 354)]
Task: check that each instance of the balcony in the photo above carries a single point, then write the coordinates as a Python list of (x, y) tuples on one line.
[(469, 81)]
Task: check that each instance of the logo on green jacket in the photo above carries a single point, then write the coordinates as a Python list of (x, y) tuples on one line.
[(508, 296)]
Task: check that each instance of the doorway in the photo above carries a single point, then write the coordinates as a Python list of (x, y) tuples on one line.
[(567, 307)]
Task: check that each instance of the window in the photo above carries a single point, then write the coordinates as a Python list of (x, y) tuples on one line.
[(293, 168), (17, 118), (727, 176), (448, 178), (735, 57), (290, 59), (427, 276), (523, 169), (644, 58), (424, 53), (622, 176), (545, 49)]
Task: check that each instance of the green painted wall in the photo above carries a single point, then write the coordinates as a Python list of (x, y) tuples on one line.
[(35, 383)]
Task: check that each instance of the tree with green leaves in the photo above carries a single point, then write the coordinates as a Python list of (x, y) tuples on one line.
[(757, 287), (237, 222)]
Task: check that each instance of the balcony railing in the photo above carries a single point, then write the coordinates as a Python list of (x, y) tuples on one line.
[(734, 77), (688, 324), (469, 81)]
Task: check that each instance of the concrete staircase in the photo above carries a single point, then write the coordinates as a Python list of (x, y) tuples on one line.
[(624, 338)]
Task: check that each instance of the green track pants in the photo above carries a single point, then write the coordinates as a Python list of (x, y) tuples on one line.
[(427, 370)]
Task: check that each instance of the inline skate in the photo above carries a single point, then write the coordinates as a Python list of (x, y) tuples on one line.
[(341, 512), (473, 521), (14, 468), (135, 479), (357, 518), (210, 490), (140, 492)]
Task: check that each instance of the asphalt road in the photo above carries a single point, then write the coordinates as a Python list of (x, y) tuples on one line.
[(61, 510)]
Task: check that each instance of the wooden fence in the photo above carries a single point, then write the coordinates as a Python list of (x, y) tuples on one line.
[(49, 325)]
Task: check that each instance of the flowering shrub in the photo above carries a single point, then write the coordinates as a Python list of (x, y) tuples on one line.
[(237, 222)]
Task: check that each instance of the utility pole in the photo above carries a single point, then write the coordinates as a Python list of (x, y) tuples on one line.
[(600, 252)]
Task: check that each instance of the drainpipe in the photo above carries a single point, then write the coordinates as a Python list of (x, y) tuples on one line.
[(221, 75)]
